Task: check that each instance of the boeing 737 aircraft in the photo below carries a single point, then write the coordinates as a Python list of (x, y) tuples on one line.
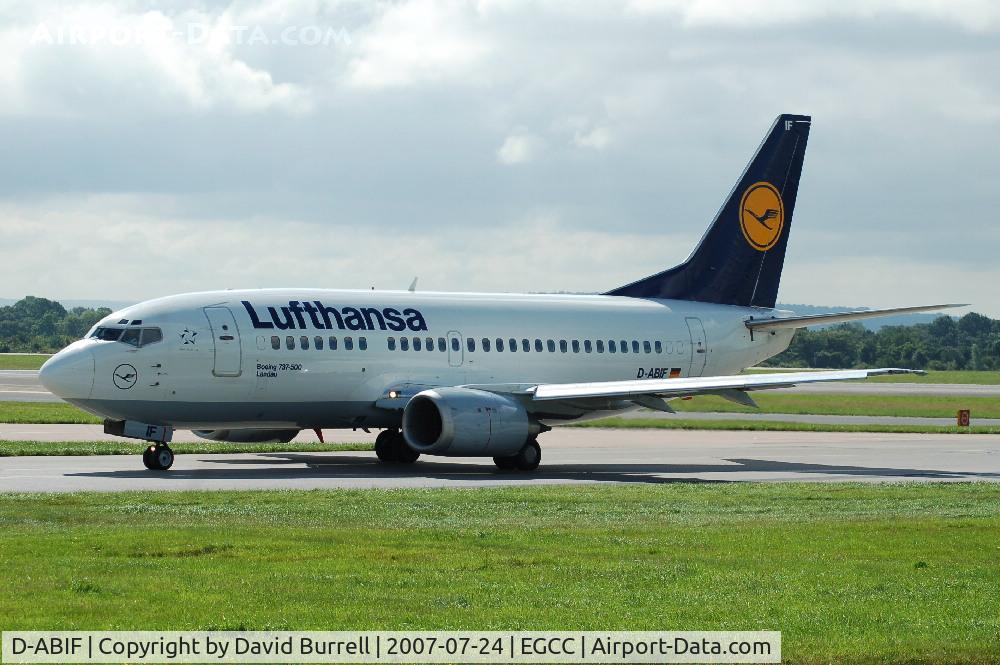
[(465, 374)]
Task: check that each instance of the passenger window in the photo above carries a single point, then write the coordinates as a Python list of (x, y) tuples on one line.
[(289, 342), (348, 343), (587, 346), (304, 341), (318, 343), (512, 344), (600, 346), (442, 346), (635, 346), (646, 347), (525, 345), (624, 346), (486, 344), (499, 344), (333, 343), (563, 346), (275, 342), (363, 343), (261, 342), (404, 343), (429, 343), (455, 344), (392, 343), (576, 346), (611, 346), (152, 336), (418, 345), (470, 344), (551, 344), (131, 336), (538, 345), (658, 346)]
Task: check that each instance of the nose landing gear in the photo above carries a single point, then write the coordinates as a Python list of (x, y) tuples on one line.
[(158, 457)]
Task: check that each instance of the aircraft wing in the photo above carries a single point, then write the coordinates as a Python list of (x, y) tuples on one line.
[(645, 391)]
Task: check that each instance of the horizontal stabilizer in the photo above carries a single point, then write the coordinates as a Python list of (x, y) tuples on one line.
[(839, 317)]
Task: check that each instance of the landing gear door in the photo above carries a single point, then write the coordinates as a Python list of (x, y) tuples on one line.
[(226, 338), (699, 346), (455, 351)]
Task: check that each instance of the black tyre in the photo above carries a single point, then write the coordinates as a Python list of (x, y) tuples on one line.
[(164, 457), (402, 451), (384, 449), (505, 463), (529, 457), (148, 459)]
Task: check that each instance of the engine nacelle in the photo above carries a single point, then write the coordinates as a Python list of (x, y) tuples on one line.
[(248, 435), (463, 421)]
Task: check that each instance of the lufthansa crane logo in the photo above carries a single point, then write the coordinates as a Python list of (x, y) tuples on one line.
[(125, 376), (762, 215)]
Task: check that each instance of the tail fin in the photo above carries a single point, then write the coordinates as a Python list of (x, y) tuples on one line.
[(739, 260)]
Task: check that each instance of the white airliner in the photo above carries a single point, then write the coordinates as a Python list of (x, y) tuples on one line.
[(458, 373)]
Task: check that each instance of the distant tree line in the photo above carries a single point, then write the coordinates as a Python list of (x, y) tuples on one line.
[(38, 325), (971, 342)]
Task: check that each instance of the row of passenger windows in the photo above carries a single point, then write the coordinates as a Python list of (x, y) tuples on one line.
[(317, 343), (485, 344)]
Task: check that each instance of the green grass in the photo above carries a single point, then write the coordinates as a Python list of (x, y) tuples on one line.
[(893, 573), (133, 447), (846, 404), (932, 376), (777, 426), (928, 406), (19, 361), (26, 413)]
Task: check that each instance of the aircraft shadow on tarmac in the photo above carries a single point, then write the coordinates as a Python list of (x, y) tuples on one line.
[(292, 466)]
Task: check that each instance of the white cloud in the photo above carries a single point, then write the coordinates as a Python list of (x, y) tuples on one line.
[(519, 147), (419, 41)]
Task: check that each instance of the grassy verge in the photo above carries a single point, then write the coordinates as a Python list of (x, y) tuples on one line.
[(48, 413), (860, 573), (777, 426), (932, 376), (127, 447), (22, 361), (846, 404), (927, 406)]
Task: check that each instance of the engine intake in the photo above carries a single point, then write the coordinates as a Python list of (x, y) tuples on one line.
[(464, 421)]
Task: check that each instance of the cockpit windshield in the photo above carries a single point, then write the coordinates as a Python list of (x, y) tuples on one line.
[(132, 336), (107, 334)]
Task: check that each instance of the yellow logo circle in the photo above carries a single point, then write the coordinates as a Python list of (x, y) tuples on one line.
[(762, 215)]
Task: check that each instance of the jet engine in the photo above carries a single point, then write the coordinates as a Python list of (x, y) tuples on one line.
[(248, 435), (464, 421)]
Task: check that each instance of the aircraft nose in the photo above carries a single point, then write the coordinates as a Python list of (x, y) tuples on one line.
[(69, 374)]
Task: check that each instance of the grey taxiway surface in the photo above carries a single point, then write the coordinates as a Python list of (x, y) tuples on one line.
[(569, 456)]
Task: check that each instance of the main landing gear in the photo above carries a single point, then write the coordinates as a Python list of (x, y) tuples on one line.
[(158, 457), (527, 459), (392, 448)]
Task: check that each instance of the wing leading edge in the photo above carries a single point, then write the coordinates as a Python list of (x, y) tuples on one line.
[(708, 385)]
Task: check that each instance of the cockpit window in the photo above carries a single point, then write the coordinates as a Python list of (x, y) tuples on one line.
[(131, 336), (107, 334), (151, 336)]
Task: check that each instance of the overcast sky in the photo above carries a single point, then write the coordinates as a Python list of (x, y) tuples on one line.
[(151, 148)]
